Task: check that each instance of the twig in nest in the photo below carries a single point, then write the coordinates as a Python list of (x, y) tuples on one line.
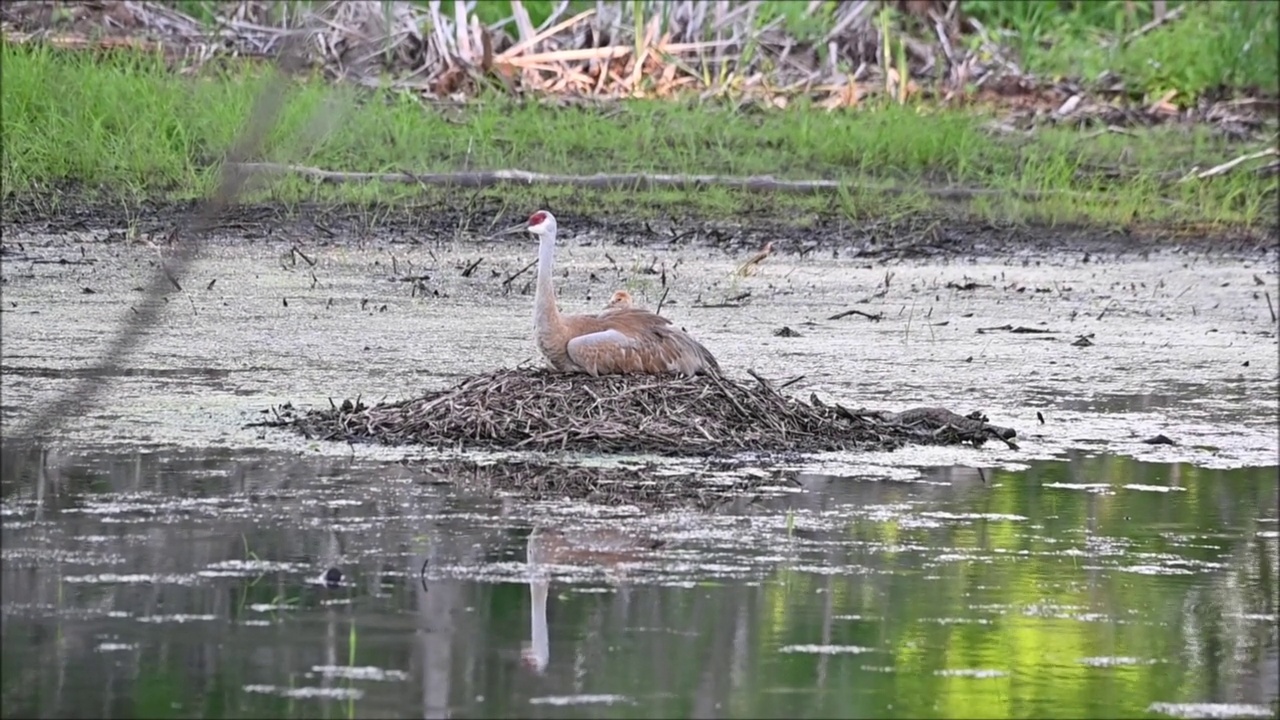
[(762, 381)]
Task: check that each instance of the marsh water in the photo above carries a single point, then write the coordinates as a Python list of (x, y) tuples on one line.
[(161, 559), (194, 585)]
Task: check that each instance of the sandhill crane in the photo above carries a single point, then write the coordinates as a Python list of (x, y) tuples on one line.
[(620, 299), (620, 340), (607, 548)]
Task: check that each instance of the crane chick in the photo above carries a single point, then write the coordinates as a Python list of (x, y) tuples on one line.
[(620, 299)]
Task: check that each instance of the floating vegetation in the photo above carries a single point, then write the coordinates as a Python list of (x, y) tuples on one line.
[(541, 410), (641, 486)]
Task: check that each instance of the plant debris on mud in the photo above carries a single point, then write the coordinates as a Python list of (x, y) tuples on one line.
[(921, 235), (541, 410)]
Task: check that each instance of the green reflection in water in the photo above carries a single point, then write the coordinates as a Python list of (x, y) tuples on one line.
[(1029, 596)]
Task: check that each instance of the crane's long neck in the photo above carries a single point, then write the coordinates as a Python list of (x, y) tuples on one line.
[(545, 313), (539, 641)]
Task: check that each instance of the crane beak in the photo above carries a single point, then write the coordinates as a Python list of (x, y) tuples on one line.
[(513, 230)]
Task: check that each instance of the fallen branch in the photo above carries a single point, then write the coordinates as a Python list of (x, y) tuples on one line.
[(633, 182), (1229, 165), (1163, 19), (1019, 330)]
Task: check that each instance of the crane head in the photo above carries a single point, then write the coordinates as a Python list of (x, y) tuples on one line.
[(542, 222)]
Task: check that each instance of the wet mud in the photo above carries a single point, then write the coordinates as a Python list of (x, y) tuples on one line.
[(1074, 352), (942, 235)]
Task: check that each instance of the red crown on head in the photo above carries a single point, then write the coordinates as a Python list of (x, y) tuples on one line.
[(537, 218)]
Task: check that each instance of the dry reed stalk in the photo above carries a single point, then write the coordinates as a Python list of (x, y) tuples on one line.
[(682, 46), (623, 49)]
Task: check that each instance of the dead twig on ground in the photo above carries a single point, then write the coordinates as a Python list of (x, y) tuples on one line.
[(1229, 165), (1019, 330), (1160, 20)]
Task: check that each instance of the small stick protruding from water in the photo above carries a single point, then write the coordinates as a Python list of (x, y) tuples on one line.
[(295, 251), (662, 300), (763, 383), (791, 382), (511, 278), (906, 335), (875, 317), (1270, 307)]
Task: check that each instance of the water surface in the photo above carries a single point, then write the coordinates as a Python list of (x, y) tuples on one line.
[(192, 584), (164, 560)]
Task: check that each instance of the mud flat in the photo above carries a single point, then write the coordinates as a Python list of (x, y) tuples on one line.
[(1079, 351)]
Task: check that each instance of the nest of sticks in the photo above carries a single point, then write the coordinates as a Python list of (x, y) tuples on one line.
[(542, 410)]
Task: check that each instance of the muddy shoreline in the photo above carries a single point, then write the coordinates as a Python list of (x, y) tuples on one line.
[(944, 235)]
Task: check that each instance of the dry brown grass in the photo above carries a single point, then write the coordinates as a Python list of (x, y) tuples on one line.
[(712, 48), (616, 50), (540, 410)]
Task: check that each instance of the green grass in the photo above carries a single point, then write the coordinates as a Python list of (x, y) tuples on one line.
[(128, 126), (1232, 44)]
